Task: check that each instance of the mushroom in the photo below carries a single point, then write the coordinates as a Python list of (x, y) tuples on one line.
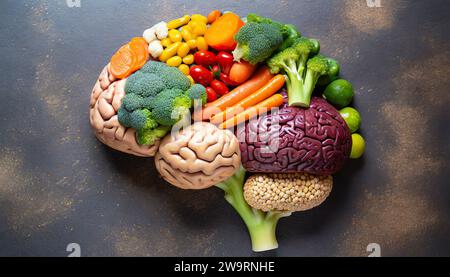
[(198, 156), (106, 98)]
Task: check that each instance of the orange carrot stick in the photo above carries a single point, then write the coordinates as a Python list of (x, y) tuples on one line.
[(241, 71), (271, 87), (261, 108), (259, 79)]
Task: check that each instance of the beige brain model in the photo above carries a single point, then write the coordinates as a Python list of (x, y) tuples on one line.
[(198, 156), (106, 98)]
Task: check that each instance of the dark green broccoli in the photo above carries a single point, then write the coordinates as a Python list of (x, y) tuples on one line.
[(157, 96), (289, 31), (170, 76), (148, 136), (144, 84), (257, 41), (170, 106), (132, 102), (300, 73), (197, 91)]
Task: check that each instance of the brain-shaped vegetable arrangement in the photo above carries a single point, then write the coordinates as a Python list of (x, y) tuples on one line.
[(226, 101)]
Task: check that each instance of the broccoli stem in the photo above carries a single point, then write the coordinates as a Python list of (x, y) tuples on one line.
[(261, 226), (297, 94)]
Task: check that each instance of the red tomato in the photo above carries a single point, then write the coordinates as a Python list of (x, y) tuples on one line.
[(225, 61), (227, 80), (219, 87), (211, 95), (201, 75), (205, 58)]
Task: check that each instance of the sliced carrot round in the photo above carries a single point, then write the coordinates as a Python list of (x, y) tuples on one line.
[(140, 47), (123, 62)]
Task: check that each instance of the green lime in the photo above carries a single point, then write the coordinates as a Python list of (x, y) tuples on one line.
[(352, 118), (339, 93), (358, 146)]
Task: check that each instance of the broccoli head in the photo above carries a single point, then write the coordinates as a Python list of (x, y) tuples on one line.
[(257, 41), (144, 84), (170, 106), (197, 91), (171, 77), (132, 102), (301, 71)]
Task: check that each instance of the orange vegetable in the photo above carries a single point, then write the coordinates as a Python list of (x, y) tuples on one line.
[(259, 79), (261, 108), (275, 84), (212, 16), (129, 58), (123, 62), (241, 71), (220, 35), (140, 47)]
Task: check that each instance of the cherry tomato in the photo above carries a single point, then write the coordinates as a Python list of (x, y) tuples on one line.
[(201, 75), (227, 80), (205, 58), (225, 61), (219, 87), (211, 94), (216, 71)]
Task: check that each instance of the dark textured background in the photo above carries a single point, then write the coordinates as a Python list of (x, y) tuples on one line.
[(59, 185)]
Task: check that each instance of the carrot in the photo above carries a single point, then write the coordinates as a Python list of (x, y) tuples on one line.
[(259, 79), (212, 16), (241, 71), (123, 62), (140, 47), (275, 84), (129, 58), (220, 35), (261, 108)]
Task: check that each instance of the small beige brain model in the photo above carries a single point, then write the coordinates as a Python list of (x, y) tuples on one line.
[(198, 156), (106, 99)]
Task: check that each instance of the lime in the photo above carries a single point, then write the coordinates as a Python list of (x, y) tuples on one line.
[(339, 93), (358, 146), (352, 118)]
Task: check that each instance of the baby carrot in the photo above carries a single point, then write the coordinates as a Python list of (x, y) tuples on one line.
[(261, 108), (271, 87)]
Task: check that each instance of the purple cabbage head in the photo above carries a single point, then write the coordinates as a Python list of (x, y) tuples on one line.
[(315, 140)]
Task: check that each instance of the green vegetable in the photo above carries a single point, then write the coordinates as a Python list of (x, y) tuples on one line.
[(148, 136), (302, 72), (157, 96), (197, 91), (289, 31), (261, 225), (257, 41), (358, 146), (170, 106), (352, 118), (339, 93)]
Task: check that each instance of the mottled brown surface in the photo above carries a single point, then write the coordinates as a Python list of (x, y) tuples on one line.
[(59, 184)]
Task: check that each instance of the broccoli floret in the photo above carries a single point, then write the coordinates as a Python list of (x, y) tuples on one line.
[(132, 102), (170, 106), (171, 77), (149, 136), (289, 31), (293, 62), (144, 84), (257, 41), (139, 118), (197, 91), (124, 117)]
